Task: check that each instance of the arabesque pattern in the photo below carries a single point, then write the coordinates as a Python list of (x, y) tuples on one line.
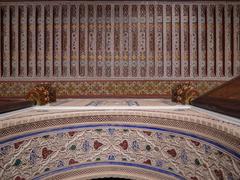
[(35, 156)]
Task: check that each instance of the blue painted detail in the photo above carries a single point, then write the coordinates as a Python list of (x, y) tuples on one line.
[(86, 146), (111, 131), (4, 150), (124, 126), (135, 145), (159, 135), (60, 164), (184, 157), (111, 157), (95, 164), (33, 157), (207, 148), (160, 163)]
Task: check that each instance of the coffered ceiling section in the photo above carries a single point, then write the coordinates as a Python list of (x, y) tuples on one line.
[(119, 40)]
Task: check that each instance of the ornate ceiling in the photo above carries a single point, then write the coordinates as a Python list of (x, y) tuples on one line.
[(92, 41)]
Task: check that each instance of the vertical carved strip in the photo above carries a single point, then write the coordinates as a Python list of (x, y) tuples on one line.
[(164, 42), (77, 47), (190, 40), (210, 41), (73, 29), (236, 15), (68, 23), (169, 39), (116, 40), (125, 39), (232, 41), (103, 41), (60, 63), (112, 40), (225, 41), (221, 41), (142, 41), (215, 39), (47, 38), (21, 42), (65, 41), (34, 41), (194, 41), (185, 67), (129, 58), (91, 40), (11, 41), (217, 49), (151, 42), (99, 42), (135, 40), (177, 41), (86, 59), (82, 39), (138, 31), (235, 26), (1, 49), (108, 42), (173, 38), (182, 42), (160, 41), (57, 56), (38, 44), (94, 40), (51, 41), (74, 40), (6, 37), (200, 25), (156, 44), (120, 40), (207, 41), (26, 60), (147, 58), (30, 40), (43, 64)]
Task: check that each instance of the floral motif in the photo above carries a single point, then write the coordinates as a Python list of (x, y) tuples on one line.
[(46, 152), (97, 145), (124, 144)]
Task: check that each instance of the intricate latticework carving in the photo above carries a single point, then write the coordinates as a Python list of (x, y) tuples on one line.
[(158, 150)]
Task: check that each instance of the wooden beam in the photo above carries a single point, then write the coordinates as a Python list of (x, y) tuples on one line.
[(77, 41), (182, 41), (164, 42)]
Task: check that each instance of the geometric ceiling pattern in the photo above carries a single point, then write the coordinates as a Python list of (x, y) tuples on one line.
[(51, 41)]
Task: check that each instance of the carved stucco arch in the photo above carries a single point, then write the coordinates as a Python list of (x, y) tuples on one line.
[(201, 138)]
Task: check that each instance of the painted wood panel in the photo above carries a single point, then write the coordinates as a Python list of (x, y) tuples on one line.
[(146, 40)]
